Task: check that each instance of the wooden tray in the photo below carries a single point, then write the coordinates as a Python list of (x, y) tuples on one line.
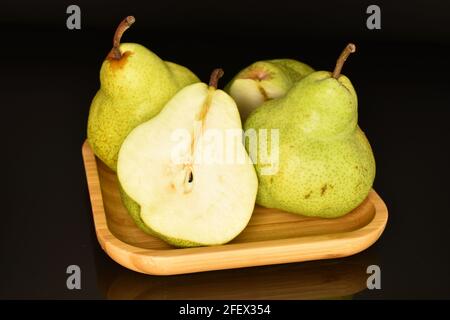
[(271, 237)]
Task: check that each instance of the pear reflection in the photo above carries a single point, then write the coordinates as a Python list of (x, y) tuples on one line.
[(326, 279)]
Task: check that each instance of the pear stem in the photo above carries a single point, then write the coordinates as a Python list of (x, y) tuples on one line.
[(121, 28), (350, 48), (215, 76)]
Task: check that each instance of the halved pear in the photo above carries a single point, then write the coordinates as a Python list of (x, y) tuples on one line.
[(263, 81), (193, 184)]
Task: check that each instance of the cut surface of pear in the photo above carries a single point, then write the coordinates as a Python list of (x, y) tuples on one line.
[(263, 81), (134, 86), (182, 196)]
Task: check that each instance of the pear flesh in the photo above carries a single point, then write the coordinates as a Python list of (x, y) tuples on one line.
[(189, 201), (265, 80), (326, 166), (135, 84)]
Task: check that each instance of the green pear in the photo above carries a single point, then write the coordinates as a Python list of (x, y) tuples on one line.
[(183, 76), (134, 86), (177, 182), (326, 167), (265, 80)]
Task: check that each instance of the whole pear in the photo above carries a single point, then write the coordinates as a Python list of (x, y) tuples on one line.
[(265, 80), (134, 86), (326, 166)]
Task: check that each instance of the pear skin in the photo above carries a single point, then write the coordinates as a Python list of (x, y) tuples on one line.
[(183, 76), (296, 70)]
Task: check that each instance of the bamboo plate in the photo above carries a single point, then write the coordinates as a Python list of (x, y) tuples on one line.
[(271, 237)]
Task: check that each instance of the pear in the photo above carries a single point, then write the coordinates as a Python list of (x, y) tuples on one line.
[(265, 80), (185, 175), (326, 166), (183, 76), (134, 86)]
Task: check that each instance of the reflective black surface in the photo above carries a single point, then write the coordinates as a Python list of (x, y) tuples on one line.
[(50, 74), (328, 279)]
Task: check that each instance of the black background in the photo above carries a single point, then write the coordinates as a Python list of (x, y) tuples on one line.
[(49, 75)]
